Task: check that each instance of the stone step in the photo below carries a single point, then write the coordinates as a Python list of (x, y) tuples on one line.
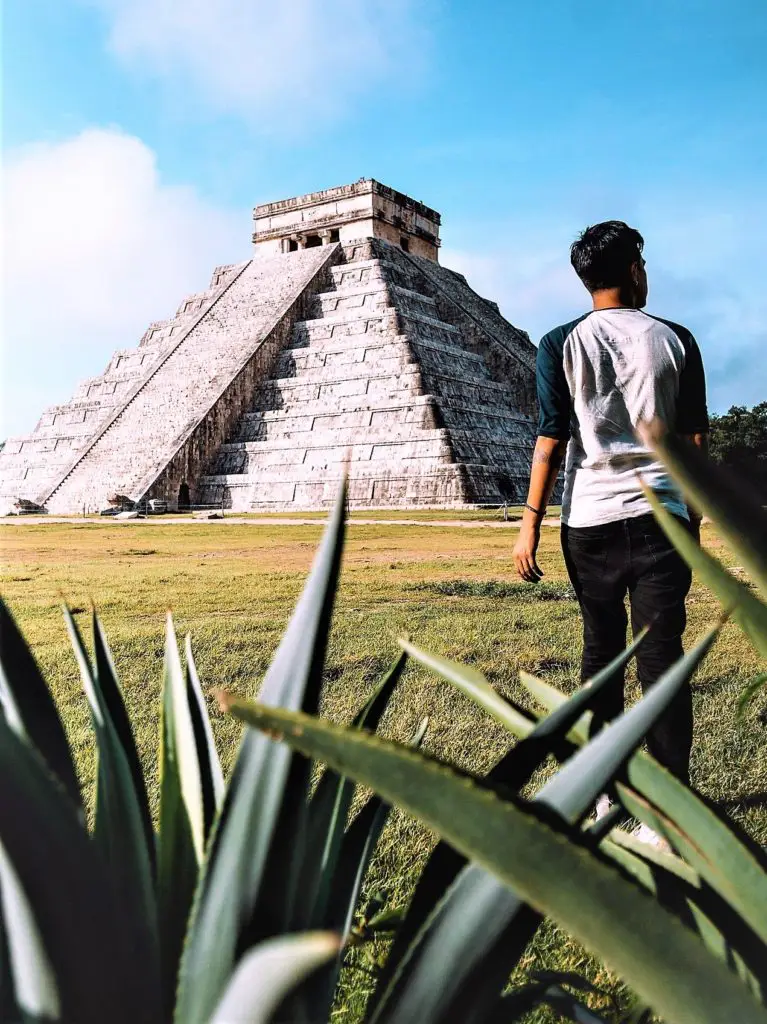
[(249, 461), (313, 366), (350, 413), (397, 486), (322, 437), (108, 385), (281, 392), (361, 272), (361, 342), (307, 471)]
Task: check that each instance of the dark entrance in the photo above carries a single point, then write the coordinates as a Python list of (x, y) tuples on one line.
[(312, 241), (184, 501)]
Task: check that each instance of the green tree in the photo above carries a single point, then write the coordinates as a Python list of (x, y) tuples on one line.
[(739, 441)]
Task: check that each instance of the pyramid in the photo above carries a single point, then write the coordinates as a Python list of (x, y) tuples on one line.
[(343, 341)]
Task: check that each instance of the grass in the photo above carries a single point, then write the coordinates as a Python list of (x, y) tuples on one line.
[(451, 589)]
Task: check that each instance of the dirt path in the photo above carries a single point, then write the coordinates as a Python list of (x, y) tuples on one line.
[(231, 520)]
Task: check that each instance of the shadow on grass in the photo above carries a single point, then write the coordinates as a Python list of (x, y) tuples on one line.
[(524, 593)]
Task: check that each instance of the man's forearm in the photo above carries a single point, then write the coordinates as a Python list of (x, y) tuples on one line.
[(547, 459)]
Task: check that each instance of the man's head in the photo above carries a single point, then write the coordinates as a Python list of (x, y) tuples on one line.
[(608, 259)]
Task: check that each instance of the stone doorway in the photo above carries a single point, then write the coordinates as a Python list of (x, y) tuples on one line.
[(184, 500)]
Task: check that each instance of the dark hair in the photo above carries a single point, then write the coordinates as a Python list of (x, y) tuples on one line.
[(603, 254)]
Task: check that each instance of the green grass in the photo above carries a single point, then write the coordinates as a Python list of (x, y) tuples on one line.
[(453, 590)]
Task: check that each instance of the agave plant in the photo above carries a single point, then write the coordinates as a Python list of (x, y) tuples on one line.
[(99, 926), (687, 930), (240, 892)]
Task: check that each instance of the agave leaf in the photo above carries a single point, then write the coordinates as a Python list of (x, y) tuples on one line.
[(656, 955), (8, 1007), (329, 810), (746, 609), (471, 682), (516, 1005), (680, 889), (355, 852), (114, 702), (268, 973), (119, 824), (573, 712), (29, 707), (182, 817), (238, 897), (736, 511), (211, 775), (435, 979), (103, 966), (712, 844), (752, 688), (571, 791), (569, 1007), (34, 989)]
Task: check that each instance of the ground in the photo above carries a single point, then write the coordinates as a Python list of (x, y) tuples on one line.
[(451, 588)]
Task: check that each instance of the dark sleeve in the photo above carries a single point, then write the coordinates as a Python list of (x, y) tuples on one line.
[(691, 411), (554, 402)]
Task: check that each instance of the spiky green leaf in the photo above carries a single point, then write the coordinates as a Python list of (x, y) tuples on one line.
[(114, 703), (102, 963), (735, 509), (181, 838), (662, 960), (493, 923), (329, 810), (745, 608), (119, 830), (211, 775), (29, 707), (268, 973), (249, 877)]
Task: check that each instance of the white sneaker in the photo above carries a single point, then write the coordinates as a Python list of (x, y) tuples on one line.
[(646, 835), (604, 806)]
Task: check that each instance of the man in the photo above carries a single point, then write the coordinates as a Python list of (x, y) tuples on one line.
[(598, 378)]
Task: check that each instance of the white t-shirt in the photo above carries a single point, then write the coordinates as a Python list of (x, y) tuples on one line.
[(598, 378)]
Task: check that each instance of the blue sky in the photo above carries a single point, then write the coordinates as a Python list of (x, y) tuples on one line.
[(138, 134)]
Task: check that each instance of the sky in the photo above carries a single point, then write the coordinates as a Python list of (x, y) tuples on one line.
[(138, 135)]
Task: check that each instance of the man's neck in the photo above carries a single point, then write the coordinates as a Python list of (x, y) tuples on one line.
[(613, 298)]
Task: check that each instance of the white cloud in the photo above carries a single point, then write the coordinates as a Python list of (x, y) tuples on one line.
[(96, 247), (288, 63), (705, 269)]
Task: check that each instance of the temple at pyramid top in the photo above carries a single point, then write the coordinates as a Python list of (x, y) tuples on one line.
[(366, 209), (341, 342)]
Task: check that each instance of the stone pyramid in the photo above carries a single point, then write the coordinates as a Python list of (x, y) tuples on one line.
[(343, 341)]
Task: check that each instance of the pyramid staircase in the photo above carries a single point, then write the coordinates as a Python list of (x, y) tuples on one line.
[(393, 374)]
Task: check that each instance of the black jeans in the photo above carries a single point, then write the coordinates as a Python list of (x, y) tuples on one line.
[(634, 557)]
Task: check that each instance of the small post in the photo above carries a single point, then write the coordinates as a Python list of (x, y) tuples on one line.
[(505, 512)]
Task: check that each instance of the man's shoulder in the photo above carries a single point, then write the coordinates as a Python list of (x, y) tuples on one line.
[(684, 334), (555, 339)]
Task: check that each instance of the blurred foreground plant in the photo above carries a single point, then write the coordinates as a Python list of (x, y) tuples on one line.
[(216, 918)]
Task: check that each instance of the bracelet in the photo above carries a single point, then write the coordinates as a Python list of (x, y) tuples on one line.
[(536, 510)]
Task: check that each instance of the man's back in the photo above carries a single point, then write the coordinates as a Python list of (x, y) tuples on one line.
[(602, 375), (598, 378)]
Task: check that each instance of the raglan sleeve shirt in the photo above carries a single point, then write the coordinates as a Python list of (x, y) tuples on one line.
[(554, 401), (691, 409)]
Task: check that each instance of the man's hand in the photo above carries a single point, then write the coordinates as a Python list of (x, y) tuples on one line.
[(525, 551)]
